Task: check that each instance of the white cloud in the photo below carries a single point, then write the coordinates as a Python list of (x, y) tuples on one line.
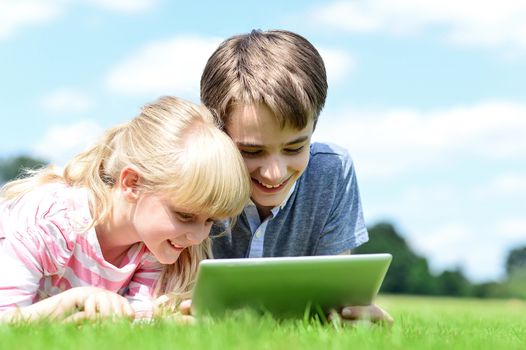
[(474, 22), (338, 64), (124, 5), (175, 66), (166, 67), (505, 184), (512, 230), (61, 142), (510, 183), (391, 142), (66, 101), (16, 14)]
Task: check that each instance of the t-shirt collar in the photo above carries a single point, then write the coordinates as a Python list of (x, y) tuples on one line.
[(277, 208)]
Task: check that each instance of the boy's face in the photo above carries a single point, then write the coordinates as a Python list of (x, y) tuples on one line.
[(275, 157)]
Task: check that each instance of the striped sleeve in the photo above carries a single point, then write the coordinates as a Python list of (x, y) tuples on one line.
[(27, 254)]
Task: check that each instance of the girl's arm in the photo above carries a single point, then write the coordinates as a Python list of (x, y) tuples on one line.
[(74, 304)]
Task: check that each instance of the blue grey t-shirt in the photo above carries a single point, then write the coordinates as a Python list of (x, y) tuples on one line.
[(323, 216)]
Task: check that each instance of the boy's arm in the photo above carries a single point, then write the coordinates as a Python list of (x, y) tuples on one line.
[(345, 227)]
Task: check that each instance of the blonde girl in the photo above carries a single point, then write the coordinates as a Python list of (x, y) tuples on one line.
[(123, 222)]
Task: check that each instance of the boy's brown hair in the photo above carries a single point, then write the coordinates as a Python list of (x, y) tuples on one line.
[(278, 68)]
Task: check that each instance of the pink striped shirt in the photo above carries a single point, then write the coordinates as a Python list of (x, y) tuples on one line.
[(43, 251)]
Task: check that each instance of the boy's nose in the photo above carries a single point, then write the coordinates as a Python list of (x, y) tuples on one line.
[(274, 169)]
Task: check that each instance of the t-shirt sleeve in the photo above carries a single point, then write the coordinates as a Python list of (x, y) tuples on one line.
[(28, 252), (141, 289), (345, 228)]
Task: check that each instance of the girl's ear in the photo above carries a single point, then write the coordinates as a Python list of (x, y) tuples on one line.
[(129, 183)]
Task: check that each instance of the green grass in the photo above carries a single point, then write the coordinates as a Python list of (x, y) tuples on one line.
[(420, 323)]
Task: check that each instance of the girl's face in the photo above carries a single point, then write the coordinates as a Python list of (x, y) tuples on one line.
[(275, 157), (165, 229)]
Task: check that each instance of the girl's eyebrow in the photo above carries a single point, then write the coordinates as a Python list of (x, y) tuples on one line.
[(255, 145)]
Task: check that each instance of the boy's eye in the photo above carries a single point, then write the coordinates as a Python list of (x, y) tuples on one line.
[(249, 153), (294, 150)]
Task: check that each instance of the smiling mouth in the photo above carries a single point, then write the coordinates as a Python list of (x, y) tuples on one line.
[(269, 187), (175, 246)]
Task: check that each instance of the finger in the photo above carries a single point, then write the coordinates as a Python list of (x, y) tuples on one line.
[(185, 307), (90, 307), (122, 308), (127, 309), (104, 305), (184, 319), (371, 313), (77, 317)]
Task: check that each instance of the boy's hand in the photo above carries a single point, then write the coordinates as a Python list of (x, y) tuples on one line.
[(371, 313)]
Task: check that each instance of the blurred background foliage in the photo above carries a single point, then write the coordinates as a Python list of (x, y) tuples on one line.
[(409, 273)]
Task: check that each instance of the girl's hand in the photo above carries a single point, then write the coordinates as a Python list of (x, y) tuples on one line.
[(95, 303), (371, 313), (76, 304), (185, 308)]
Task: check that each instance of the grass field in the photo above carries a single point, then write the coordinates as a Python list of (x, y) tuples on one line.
[(420, 323)]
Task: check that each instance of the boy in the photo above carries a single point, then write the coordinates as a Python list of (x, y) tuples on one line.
[(268, 89)]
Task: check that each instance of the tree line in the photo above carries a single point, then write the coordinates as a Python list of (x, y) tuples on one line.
[(409, 272)]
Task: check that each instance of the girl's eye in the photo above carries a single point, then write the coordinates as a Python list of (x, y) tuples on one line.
[(184, 217), (294, 150)]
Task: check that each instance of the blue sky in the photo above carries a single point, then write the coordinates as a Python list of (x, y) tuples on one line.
[(429, 97)]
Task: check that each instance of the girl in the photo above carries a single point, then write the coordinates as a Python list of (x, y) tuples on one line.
[(124, 222)]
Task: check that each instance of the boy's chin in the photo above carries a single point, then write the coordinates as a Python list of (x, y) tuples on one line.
[(269, 203)]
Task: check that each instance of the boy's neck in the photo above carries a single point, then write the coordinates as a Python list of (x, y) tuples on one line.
[(264, 212)]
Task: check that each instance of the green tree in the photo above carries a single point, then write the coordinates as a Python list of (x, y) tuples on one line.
[(408, 273), (516, 260), (12, 168), (453, 282)]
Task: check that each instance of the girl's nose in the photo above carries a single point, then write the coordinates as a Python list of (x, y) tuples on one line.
[(198, 234)]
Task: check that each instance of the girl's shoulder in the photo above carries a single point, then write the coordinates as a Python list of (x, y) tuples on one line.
[(56, 208)]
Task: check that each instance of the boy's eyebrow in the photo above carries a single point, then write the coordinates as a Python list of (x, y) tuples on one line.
[(255, 145)]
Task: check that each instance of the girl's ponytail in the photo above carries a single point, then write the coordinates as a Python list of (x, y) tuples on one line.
[(89, 169)]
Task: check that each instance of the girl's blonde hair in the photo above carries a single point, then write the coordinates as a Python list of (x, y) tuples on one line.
[(180, 152)]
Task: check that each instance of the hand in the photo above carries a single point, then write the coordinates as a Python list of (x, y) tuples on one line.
[(96, 303), (185, 312), (371, 313), (76, 304), (182, 315)]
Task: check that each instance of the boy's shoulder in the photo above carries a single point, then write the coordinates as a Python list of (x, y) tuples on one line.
[(330, 167), (326, 157)]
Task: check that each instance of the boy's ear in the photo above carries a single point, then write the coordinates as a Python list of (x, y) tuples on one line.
[(129, 183)]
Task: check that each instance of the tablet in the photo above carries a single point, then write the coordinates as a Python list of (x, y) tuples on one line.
[(288, 287)]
